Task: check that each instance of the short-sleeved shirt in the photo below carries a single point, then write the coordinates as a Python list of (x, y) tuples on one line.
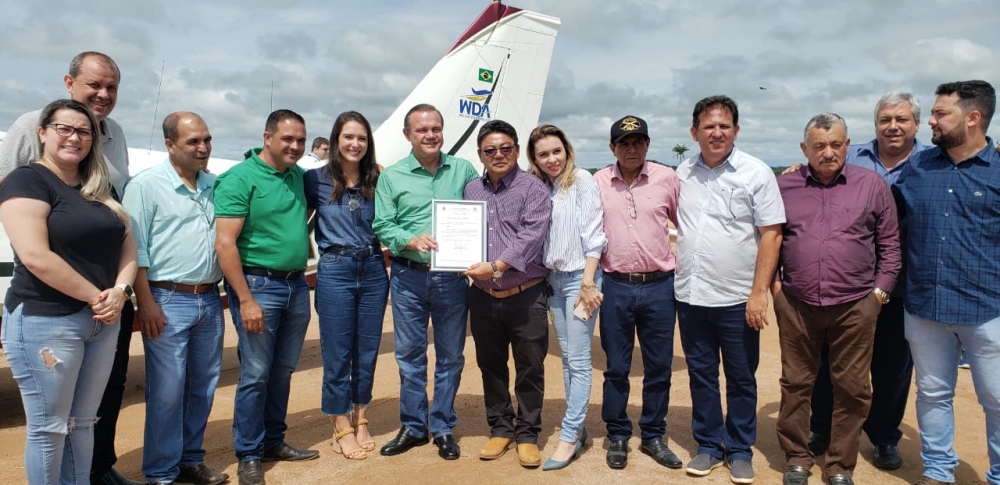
[(637, 217), (577, 228), (87, 235), (273, 205), (174, 226), (951, 225), (20, 147), (719, 212), (403, 199), (841, 239), (517, 222), (339, 223)]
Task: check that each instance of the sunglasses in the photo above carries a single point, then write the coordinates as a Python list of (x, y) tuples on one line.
[(489, 152)]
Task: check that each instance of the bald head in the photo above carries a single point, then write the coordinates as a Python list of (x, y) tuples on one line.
[(188, 141)]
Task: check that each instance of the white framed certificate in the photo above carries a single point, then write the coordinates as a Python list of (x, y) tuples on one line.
[(459, 227)]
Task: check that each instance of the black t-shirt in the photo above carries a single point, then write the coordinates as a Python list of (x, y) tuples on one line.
[(87, 235)]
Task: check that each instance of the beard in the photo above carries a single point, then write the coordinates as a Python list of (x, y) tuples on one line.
[(950, 139)]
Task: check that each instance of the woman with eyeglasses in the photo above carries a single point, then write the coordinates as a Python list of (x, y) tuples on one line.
[(572, 254), (351, 283), (74, 263)]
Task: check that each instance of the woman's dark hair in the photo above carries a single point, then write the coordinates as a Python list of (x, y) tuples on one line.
[(368, 169)]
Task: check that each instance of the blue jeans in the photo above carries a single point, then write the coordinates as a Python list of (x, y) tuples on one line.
[(706, 334), (182, 370), (61, 364), (350, 301), (267, 361), (935, 347), (646, 309), (574, 336), (417, 295)]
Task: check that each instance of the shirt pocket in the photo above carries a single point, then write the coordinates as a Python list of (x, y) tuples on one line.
[(730, 203), (850, 218)]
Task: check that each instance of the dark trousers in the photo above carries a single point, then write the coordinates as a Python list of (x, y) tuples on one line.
[(111, 404), (708, 333), (849, 329), (891, 372), (646, 309), (517, 324)]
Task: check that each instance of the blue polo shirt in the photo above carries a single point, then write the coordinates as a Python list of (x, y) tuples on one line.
[(950, 215)]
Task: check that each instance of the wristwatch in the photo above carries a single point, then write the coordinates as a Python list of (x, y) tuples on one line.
[(127, 289), (882, 295), (496, 271)]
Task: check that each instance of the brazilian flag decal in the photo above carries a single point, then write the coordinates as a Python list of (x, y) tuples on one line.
[(485, 75)]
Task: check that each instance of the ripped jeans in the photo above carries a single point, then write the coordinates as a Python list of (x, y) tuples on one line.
[(61, 364)]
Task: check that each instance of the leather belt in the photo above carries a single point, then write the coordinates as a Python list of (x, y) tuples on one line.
[(354, 252), (270, 273), (195, 289), (409, 263), (639, 277), (515, 290)]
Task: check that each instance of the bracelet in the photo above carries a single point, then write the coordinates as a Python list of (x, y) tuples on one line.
[(588, 286)]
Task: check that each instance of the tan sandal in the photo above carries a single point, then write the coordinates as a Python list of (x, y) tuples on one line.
[(367, 445), (358, 454)]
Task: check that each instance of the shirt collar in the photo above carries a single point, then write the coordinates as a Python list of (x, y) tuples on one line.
[(840, 178), (201, 182), (105, 132), (261, 164), (617, 174), (732, 160), (871, 149), (413, 164), (505, 181)]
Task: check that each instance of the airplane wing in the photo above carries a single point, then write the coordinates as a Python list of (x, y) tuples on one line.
[(496, 70), (140, 159)]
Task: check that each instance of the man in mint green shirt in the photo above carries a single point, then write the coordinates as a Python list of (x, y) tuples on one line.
[(262, 244), (180, 312), (403, 223)]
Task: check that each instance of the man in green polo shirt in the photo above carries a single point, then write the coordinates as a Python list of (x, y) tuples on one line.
[(262, 243), (403, 223)]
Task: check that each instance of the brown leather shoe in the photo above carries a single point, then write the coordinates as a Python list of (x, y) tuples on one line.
[(495, 448), (528, 455)]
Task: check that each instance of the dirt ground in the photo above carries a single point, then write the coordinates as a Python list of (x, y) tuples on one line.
[(309, 428)]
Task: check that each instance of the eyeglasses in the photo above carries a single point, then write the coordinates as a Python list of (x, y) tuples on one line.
[(67, 130), (489, 152), (631, 203)]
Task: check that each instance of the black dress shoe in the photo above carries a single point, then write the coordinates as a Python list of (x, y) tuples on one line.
[(840, 480), (818, 443), (403, 442), (795, 475), (887, 458), (447, 447), (657, 449), (250, 473), (286, 452), (618, 454), (112, 477), (200, 475)]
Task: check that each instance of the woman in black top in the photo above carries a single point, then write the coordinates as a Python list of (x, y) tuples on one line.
[(74, 261)]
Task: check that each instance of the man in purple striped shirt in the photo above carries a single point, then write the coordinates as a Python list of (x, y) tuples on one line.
[(839, 262), (508, 300)]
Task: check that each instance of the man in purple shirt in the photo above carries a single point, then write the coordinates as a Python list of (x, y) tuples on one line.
[(508, 301), (839, 262)]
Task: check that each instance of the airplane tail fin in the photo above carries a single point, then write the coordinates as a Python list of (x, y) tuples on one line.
[(496, 70)]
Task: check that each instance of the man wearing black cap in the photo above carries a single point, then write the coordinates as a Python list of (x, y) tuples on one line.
[(639, 200)]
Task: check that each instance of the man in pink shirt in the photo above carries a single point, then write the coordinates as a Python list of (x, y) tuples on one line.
[(639, 200)]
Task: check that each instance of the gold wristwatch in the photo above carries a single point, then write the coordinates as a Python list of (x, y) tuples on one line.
[(882, 295), (496, 271)]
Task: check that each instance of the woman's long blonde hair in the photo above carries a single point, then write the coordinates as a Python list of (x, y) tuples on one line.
[(568, 175), (95, 180)]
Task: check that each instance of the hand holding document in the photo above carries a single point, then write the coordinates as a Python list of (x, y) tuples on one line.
[(459, 227)]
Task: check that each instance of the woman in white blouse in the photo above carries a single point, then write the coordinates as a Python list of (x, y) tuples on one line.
[(572, 254)]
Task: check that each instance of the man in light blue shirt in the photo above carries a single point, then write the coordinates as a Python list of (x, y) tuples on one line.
[(180, 312), (728, 238)]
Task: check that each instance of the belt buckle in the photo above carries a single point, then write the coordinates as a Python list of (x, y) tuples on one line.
[(196, 288), (636, 278)]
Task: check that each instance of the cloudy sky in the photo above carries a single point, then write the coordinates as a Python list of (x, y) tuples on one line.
[(651, 58)]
